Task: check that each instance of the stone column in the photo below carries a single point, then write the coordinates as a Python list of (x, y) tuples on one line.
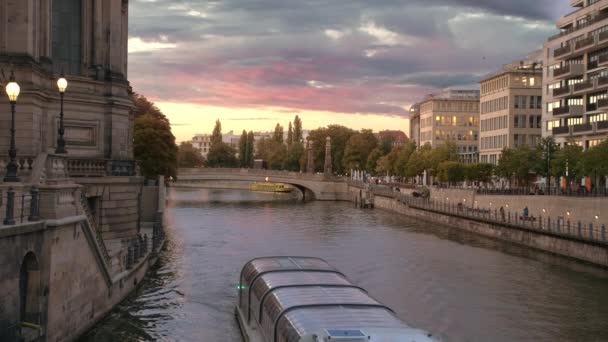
[(328, 169), (310, 163)]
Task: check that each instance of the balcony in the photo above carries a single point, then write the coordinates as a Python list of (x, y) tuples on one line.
[(602, 82), (562, 51), (592, 20), (584, 44), (603, 38), (561, 130), (583, 86), (602, 61), (561, 92), (569, 71), (602, 104), (101, 168), (586, 127), (601, 125), (568, 110)]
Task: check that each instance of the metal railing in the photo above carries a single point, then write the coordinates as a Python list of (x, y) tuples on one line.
[(553, 226), (546, 191), (18, 207), (189, 172), (86, 167)]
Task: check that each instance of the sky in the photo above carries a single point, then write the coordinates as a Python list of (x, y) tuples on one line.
[(358, 63)]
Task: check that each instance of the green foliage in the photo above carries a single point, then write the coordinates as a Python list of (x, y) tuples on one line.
[(250, 148), (290, 134), (546, 151), (278, 134), (451, 172), (154, 147), (358, 149), (216, 136), (567, 162), (220, 154), (372, 160), (273, 152), (386, 144), (295, 152), (297, 130), (388, 163), (419, 161), (594, 161), (403, 158), (517, 163), (245, 151), (188, 156), (443, 153), (339, 137)]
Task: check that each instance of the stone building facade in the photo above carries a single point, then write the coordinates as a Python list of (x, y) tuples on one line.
[(74, 240), (86, 41)]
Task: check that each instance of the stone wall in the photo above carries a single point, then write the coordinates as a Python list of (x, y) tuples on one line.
[(594, 253), (117, 201)]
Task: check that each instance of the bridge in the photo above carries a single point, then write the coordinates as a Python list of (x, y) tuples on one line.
[(313, 186)]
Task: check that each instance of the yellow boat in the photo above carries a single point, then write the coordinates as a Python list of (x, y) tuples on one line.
[(269, 187)]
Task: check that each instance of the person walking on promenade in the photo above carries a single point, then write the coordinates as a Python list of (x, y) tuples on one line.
[(526, 212), (502, 214)]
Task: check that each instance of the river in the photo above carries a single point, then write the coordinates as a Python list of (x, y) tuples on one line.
[(455, 284)]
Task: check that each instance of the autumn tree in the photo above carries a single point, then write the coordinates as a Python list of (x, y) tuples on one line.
[(358, 149), (188, 156)]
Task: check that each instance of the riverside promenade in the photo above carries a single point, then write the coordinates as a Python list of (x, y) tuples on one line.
[(584, 241)]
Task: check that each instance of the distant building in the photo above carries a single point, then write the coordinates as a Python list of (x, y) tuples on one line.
[(415, 123), (399, 137), (452, 115), (575, 79), (511, 108), (202, 142)]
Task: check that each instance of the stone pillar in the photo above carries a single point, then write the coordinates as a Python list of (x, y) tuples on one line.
[(328, 169), (310, 162)]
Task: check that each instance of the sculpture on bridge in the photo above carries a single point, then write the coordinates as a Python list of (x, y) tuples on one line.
[(310, 163)]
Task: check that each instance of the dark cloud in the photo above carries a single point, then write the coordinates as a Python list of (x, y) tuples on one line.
[(352, 56)]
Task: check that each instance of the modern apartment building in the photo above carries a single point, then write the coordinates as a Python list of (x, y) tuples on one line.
[(452, 115), (575, 76), (511, 108)]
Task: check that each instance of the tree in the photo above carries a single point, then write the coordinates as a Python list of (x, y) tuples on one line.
[(278, 134), (154, 144), (451, 172), (220, 154), (358, 149), (546, 150), (250, 148), (339, 137), (154, 147), (188, 156), (419, 161), (297, 130), (290, 134), (386, 144), (517, 164), (567, 162), (216, 136), (594, 162), (273, 152), (243, 150), (445, 152), (372, 160), (403, 158), (295, 152)]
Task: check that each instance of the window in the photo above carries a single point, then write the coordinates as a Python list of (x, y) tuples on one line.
[(67, 36), (575, 121), (598, 117), (539, 120), (532, 120), (552, 124), (539, 102), (516, 121)]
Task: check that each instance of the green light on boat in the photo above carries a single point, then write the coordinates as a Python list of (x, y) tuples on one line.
[(241, 287)]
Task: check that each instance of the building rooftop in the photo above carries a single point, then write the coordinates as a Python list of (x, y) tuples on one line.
[(533, 62)]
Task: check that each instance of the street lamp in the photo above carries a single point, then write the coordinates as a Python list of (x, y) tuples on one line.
[(62, 85), (12, 90)]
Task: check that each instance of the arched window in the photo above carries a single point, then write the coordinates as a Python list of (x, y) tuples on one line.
[(29, 289), (67, 36)]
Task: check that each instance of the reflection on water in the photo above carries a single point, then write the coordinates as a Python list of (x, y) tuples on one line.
[(459, 285)]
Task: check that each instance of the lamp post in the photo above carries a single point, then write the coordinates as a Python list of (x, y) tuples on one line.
[(12, 90), (62, 85)]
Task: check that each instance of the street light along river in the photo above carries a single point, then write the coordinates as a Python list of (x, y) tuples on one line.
[(455, 284)]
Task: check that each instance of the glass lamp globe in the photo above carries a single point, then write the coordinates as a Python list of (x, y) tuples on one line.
[(62, 84), (12, 90)]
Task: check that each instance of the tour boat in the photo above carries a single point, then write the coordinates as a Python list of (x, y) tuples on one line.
[(269, 187), (304, 299)]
